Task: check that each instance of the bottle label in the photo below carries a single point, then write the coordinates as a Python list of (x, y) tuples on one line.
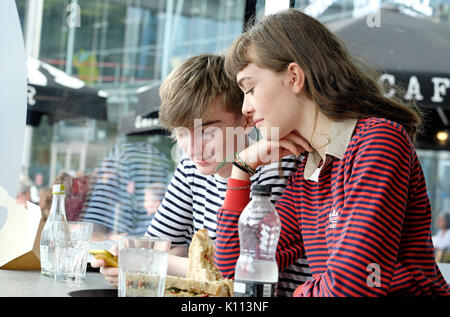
[(254, 289)]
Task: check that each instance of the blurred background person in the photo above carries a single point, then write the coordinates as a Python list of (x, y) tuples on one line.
[(154, 194), (115, 203), (441, 240), (24, 191), (77, 189)]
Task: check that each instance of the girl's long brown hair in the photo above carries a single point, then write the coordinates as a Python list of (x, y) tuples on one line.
[(340, 88)]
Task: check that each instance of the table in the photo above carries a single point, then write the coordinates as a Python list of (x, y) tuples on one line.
[(16, 283)]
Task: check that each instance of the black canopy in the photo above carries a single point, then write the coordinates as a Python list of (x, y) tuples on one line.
[(414, 51), (409, 51), (60, 96), (145, 119)]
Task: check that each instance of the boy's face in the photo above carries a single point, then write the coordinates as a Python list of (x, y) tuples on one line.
[(213, 139)]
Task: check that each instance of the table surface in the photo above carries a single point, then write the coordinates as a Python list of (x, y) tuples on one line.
[(31, 283), (18, 283)]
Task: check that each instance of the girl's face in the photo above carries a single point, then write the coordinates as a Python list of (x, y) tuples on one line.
[(269, 100)]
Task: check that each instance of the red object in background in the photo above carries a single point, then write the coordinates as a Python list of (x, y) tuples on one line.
[(76, 198), (39, 179)]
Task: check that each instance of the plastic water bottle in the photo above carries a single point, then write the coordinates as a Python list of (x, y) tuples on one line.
[(256, 273), (48, 245)]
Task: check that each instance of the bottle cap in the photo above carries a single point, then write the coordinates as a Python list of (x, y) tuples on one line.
[(59, 189), (264, 190)]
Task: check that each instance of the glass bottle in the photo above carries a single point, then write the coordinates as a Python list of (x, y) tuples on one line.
[(47, 244)]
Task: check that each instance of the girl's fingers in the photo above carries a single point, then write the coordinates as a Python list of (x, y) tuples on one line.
[(299, 140), (290, 146)]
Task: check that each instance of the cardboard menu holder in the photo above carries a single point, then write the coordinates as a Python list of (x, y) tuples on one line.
[(20, 235)]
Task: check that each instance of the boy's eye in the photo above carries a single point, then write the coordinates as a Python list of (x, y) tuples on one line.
[(209, 131)]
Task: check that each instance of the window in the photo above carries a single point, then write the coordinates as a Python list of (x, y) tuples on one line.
[(88, 127)]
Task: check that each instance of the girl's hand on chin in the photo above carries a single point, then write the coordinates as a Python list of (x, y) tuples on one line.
[(265, 152)]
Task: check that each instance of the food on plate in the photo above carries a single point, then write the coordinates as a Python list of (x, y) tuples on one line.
[(186, 287), (202, 278)]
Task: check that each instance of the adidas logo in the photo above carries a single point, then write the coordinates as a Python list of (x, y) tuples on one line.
[(333, 218)]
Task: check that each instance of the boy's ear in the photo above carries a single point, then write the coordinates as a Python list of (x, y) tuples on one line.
[(296, 77)]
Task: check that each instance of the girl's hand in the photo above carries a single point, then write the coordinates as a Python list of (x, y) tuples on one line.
[(265, 152)]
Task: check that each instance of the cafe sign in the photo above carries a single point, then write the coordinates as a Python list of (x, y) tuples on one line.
[(145, 123), (427, 90)]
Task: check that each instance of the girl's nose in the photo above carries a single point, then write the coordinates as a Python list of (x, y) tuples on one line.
[(247, 109)]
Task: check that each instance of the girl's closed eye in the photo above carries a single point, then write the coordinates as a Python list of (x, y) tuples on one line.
[(250, 91)]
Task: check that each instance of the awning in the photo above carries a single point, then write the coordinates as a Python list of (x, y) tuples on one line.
[(410, 51), (60, 96), (145, 119)]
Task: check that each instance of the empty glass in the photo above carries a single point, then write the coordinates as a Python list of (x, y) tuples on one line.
[(72, 254)]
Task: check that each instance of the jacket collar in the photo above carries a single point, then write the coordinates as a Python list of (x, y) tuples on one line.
[(341, 133)]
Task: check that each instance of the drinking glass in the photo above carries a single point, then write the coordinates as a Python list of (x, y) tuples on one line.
[(142, 266), (72, 252)]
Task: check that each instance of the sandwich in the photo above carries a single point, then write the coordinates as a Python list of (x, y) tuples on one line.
[(187, 287), (201, 258), (203, 278)]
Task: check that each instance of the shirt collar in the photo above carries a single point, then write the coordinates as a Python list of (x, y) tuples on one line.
[(341, 133)]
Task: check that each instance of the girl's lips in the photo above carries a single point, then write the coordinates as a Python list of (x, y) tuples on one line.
[(258, 122)]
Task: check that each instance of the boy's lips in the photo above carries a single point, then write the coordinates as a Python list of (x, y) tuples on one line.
[(204, 161)]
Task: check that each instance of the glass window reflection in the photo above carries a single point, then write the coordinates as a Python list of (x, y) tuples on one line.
[(107, 146)]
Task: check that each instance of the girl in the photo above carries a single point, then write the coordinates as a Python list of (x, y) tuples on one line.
[(357, 206)]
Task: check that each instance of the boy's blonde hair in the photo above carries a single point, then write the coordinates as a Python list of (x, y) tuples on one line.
[(189, 90)]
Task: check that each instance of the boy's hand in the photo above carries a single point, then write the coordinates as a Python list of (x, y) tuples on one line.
[(111, 274)]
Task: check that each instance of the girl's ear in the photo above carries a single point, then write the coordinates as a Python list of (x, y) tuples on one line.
[(296, 77)]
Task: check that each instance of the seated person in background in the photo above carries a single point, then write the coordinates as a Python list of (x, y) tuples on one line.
[(76, 192), (199, 89), (115, 203), (45, 201), (24, 191), (153, 195), (441, 240)]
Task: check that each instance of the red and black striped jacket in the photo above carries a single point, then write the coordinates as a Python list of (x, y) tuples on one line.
[(364, 223)]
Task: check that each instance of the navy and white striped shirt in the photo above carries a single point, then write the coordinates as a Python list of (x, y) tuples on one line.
[(192, 200), (116, 199)]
